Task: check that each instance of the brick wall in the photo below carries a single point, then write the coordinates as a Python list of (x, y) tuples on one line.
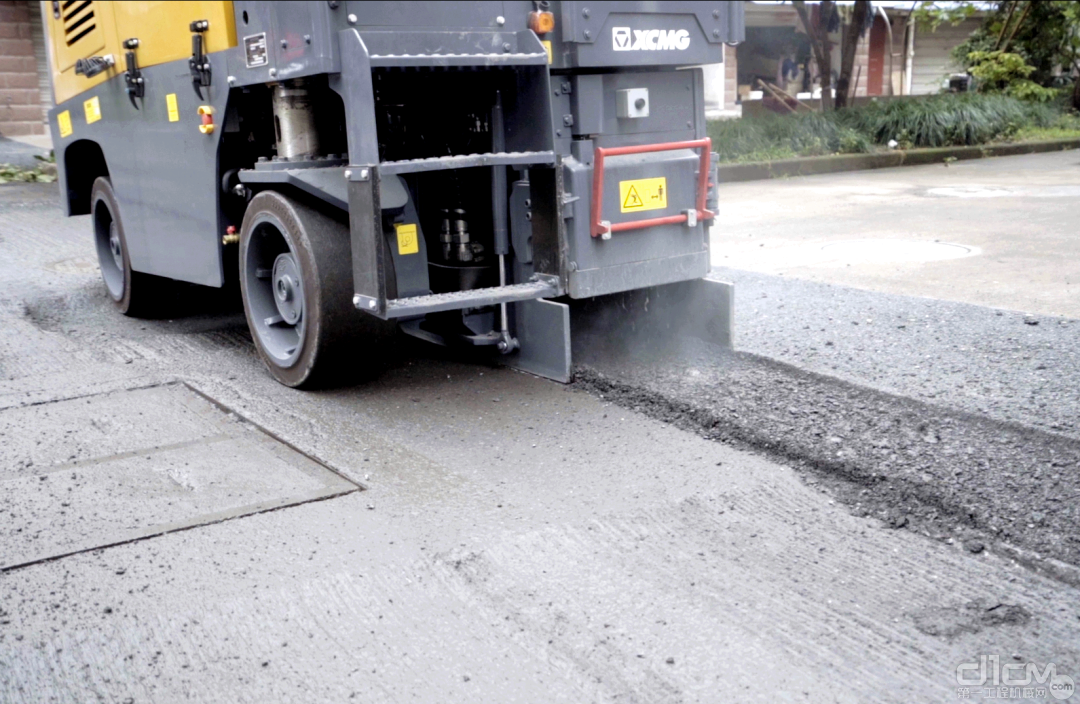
[(20, 96), (861, 69), (731, 77)]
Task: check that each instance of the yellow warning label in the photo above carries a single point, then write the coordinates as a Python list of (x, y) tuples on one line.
[(174, 111), (63, 121), (92, 108), (407, 243), (547, 48), (643, 194)]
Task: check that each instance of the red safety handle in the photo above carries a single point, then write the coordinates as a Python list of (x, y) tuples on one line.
[(599, 229)]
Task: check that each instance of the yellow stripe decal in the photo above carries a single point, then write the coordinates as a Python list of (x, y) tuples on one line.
[(63, 121)]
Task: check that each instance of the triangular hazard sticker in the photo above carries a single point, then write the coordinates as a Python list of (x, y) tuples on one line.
[(633, 200)]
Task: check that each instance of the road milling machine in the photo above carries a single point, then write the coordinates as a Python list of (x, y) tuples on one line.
[(464, 171)]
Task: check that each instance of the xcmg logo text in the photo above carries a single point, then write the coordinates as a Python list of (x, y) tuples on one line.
[(626, 39)]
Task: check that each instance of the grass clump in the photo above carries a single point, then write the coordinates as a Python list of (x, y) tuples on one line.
[(935, 121)]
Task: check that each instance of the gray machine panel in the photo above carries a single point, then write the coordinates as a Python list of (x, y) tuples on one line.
[(300, 40), (674, 110), (651, 243), (164, 173), (417, 15), (617, 33)]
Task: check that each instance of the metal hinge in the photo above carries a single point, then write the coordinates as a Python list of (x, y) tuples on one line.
[(133, 76), (199, 63)]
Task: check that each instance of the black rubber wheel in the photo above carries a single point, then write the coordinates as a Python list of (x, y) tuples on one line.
[(134, 294), (296, 282)]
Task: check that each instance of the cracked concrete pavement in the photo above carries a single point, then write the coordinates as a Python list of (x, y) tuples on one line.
[(509, 539)]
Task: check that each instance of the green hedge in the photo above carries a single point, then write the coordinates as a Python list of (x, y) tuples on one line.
[(934, 121)]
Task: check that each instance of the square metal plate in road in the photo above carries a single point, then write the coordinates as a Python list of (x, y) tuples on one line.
[(91, 472)]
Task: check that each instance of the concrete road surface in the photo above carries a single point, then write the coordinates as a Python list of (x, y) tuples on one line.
[(178, 527), (999, 232)]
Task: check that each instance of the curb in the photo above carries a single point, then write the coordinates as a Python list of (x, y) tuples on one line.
[(808, 166)]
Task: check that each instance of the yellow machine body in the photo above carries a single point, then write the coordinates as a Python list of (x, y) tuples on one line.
[(78, 29)]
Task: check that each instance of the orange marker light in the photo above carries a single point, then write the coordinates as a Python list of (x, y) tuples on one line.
[(541, 22)]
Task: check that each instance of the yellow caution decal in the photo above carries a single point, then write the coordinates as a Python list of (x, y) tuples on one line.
[(407, 242), (170, 105), (547, 48), (643, 194), (63, 121), (92, 108)]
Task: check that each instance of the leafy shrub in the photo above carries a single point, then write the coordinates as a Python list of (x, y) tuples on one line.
[(934, 121), (1005, 72)]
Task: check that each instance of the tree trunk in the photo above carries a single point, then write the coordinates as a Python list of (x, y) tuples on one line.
[(1076, 91), (819, 42), (848, 47)]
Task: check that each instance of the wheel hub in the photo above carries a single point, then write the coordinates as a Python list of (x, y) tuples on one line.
[(114, 246), (288, 294)]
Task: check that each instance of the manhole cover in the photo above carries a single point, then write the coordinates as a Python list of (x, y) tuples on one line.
[(895, 251), (86, 473)]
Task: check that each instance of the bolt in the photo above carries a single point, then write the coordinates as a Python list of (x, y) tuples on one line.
[(588, 34), (363, 173), (356, 300), (585, 12), (231, 80), (284, 44), (716, 14), (352, 19), (506, 46), (348, 173), (273, 72), (500, 20), (528, 215), (371, 304), (307, 38)]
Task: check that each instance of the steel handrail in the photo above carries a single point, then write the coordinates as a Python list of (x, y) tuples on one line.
[(601, 227)]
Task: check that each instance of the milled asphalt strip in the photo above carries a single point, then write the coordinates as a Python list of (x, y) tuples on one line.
[(945, 473)]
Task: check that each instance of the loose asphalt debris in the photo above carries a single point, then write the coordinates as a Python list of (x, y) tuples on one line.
[(954, 476)]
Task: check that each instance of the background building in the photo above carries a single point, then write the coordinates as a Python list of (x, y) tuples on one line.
[(895, 57), (25, 94)]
